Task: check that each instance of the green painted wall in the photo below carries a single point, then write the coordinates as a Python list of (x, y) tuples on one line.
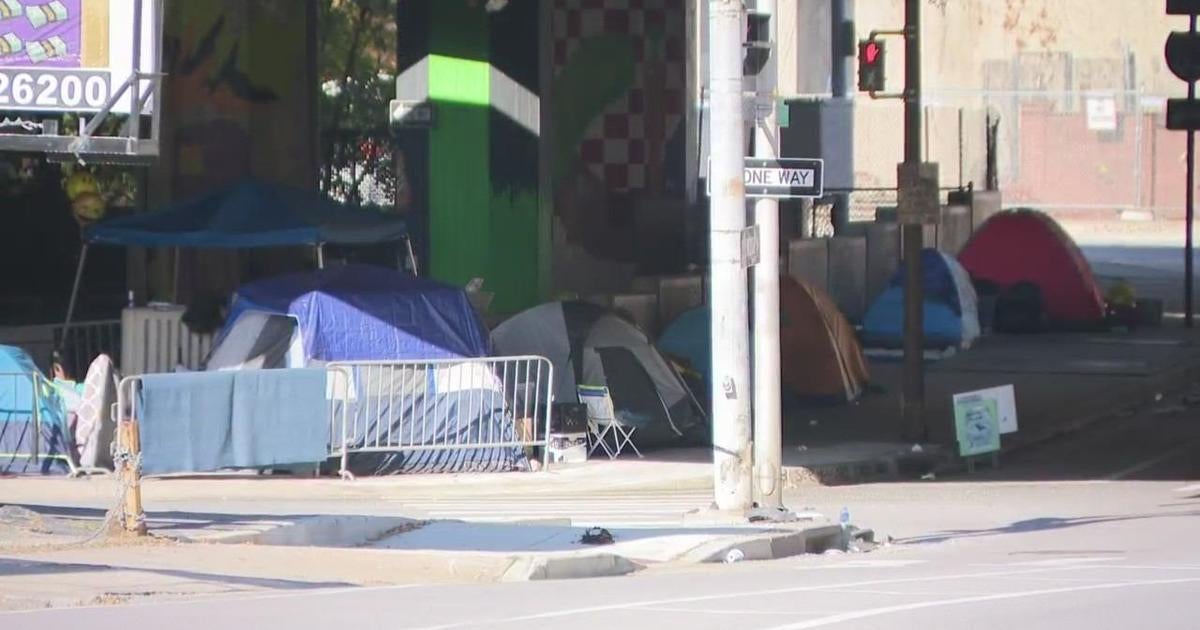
[(479, 224)]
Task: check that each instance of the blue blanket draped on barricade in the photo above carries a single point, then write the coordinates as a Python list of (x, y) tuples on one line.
[(206, 421)]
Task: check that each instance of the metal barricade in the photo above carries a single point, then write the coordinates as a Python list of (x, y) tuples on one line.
[(396, 406), (38, 389)]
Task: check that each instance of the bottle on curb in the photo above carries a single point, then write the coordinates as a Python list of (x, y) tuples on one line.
[(844, 518), (130, 305)]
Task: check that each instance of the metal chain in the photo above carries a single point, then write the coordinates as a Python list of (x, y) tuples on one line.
[(116, 513)]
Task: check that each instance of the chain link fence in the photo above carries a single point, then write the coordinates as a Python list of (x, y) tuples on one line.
[(361, 168)]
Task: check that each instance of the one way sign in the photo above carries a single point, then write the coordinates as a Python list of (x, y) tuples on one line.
[(785, 178)]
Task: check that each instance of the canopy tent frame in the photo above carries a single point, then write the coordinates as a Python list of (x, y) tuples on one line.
[(287, 240)]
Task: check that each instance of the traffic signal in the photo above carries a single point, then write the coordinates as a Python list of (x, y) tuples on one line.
[(870, 65), (758, 43)]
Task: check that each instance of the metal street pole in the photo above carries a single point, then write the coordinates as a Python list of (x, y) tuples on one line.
[(912, 234), (768, 452), (727, 218), (1188, 278)]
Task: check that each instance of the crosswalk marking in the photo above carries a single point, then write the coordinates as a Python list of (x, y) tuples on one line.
[(583, 509)]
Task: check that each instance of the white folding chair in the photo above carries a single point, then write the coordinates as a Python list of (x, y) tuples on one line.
[(603, 424)]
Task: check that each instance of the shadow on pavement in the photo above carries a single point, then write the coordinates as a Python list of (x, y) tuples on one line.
[(1044, 523), (16, 566)]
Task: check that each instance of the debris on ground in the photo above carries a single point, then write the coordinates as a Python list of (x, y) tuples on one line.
[(734, 555), (596, 536), (929, 476)]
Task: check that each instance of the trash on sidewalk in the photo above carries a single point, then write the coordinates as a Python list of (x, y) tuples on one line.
[(596, 536), (779, 514), (929, 476), (734, 555)]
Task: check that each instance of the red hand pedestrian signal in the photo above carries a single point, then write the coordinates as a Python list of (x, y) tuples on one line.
[(870, 66), (872, 52)]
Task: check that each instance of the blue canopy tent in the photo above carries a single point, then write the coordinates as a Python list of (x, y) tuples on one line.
[(359, 313), (248, 214)]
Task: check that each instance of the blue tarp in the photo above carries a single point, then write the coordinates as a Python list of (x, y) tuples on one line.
[(18, 399), (206, 421), (250, 213), (688, 337), (360, 313), (364, 313), (950, 314)]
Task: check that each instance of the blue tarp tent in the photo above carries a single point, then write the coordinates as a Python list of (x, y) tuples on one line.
[(951, 317), (26, 399), (361, 313), (688, 338), (249, 213)]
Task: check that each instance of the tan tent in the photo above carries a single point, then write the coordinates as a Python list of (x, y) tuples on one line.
[(820, 354)]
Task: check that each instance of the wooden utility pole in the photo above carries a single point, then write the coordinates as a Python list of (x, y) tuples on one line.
[(129, 476)]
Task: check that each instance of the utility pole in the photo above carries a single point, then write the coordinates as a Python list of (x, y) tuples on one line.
[(768, 451), (727, 219), (912, 234)]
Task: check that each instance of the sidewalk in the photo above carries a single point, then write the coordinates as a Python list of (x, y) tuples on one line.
[(1062, 382)]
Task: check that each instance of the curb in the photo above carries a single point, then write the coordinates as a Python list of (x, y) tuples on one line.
[(320, 531), (546, 567), (768, 547), (883, 468)]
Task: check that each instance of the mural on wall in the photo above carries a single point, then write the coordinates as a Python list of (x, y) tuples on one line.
[(238, 99), (619, 96)]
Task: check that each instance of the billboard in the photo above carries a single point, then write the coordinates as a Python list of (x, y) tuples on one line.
[(71, 55)]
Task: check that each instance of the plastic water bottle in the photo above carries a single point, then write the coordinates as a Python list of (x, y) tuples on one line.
[(844, 519)]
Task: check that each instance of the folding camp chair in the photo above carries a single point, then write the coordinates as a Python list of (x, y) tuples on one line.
[(603, 424)]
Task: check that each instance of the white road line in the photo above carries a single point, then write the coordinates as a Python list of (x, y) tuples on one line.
[(1153, 461), (899, 608), (856, 591), (717, 611), (570, 612)]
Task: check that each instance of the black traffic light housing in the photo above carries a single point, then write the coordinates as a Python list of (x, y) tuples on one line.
[(870, 65), (758, 43)]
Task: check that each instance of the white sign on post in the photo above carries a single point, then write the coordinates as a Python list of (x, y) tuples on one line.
[(782, 178), (1006, 404), (1102, 113), (751, 249)]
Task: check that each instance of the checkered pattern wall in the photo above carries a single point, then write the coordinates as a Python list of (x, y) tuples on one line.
[(621, 143)]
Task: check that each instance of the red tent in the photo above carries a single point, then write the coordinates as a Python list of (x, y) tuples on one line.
[(1029, 246)]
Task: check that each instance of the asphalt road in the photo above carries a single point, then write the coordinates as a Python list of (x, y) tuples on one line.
[(1094, 531)]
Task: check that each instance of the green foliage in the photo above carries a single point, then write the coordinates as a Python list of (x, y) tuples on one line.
[(356, 68)]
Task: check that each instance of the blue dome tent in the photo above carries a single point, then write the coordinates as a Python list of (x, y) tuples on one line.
[(26, 402), (951, 317)]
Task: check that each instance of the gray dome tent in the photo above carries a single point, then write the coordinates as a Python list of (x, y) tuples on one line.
[(591, 345)]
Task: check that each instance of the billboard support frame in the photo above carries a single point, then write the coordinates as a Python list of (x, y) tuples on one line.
[(130, 147)]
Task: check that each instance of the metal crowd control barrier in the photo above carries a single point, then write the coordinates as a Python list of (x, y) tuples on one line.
[(397, 406), (38, 387)]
